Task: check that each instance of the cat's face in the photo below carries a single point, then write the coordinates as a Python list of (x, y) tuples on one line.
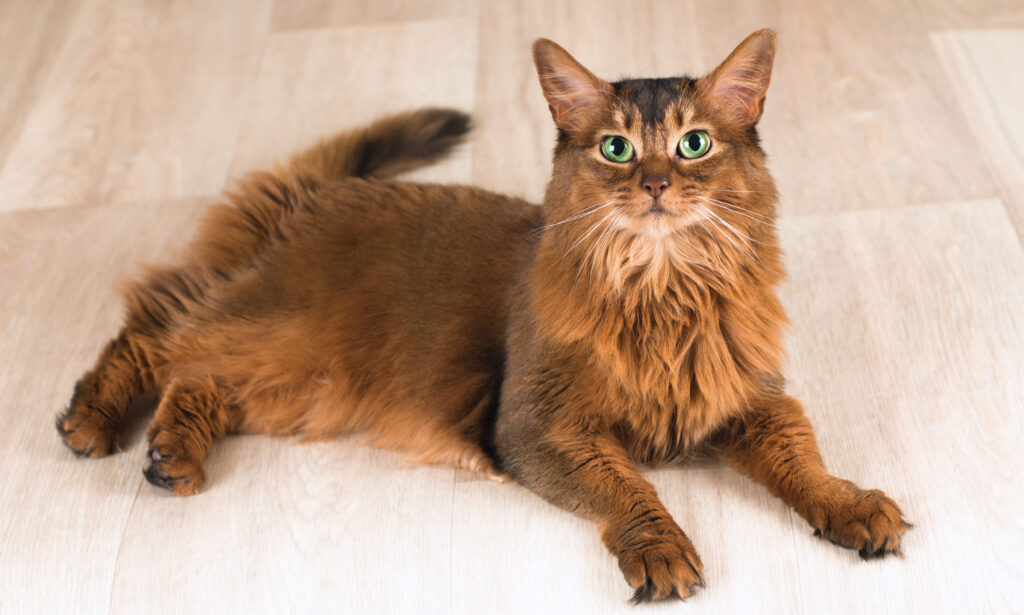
[(659, 162)]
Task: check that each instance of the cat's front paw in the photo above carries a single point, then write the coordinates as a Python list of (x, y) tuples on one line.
[(866, 520), (658, 561)]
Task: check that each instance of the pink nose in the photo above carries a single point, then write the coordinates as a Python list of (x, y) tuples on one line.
[(655, 185)]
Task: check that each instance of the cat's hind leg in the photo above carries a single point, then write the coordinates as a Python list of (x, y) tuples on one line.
[(91, 425), (193, 413)]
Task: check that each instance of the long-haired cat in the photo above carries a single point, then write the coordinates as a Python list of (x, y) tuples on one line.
[(631, 319)]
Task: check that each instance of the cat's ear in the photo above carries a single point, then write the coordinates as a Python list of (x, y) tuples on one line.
[(739, 84), (570, 88)]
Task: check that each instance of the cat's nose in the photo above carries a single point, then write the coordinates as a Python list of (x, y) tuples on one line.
[(656, 184)]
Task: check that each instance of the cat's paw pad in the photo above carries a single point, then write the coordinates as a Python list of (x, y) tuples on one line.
[(659, 563), (178, 473), (86, 431), (866, 520)]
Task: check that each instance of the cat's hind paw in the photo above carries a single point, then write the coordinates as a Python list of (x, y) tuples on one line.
[(86, 432), (177, 473)]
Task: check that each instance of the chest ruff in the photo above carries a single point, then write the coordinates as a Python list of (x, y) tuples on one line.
[(666, 370)]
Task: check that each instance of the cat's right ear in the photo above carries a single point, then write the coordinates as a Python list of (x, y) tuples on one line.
[(571, 89), (739, 83)]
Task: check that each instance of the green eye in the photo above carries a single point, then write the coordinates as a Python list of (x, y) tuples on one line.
[(617, 149), (694, 144)]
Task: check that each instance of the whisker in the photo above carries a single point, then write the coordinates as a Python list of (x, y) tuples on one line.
[(589, 233), (743, 212), (740, 210), (710, 217), (739, 234), (586, 212), (596, 248), (700, 220), (722, 190)]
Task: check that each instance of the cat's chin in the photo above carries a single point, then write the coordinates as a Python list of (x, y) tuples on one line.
[(662, 225)]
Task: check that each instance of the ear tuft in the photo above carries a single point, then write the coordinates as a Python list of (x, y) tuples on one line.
[(570, 89), (740, 83)]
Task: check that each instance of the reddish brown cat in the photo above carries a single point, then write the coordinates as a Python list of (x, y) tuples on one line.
[(631, 319)]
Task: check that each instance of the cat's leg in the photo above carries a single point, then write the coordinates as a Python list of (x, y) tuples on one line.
[(123, 372), (192, 414), (775, 446), (591, 475)]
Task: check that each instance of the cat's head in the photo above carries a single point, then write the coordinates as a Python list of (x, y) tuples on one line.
[(655, 171)]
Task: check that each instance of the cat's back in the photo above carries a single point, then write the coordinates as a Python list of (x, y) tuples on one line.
[(441, 219), (407, 238)]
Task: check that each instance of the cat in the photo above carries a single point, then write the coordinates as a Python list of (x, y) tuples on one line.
[(633, 318)]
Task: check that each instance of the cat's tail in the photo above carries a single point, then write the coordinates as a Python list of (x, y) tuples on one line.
[(389, 146)]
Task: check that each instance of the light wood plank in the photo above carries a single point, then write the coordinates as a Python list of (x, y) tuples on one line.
[(141, 103), (908, 346), (63, 517), (989, 86), (971, 13), (313, 84), (301, 14), (39, 28), (283, 527)]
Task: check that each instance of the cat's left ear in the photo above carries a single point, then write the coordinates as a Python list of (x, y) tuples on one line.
[(739, 84), (571, 89)]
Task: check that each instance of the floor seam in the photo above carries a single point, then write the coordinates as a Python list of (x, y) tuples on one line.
[(120, 547)]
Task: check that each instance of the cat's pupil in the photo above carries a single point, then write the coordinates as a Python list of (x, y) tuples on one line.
[(693, 142), (617, 146)]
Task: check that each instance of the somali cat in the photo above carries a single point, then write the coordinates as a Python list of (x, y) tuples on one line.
[(631, 319)]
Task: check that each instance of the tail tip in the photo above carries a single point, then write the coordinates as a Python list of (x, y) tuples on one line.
[(445, 126)]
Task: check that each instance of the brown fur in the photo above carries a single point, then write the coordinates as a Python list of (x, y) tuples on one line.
[(562, 345)]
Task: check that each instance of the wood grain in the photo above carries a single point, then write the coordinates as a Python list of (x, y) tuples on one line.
[(894, 130), (38, 27), (130, 79), (989, 89), (303, 14), (63, 518)]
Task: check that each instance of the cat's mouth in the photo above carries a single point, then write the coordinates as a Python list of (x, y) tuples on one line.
[(657, 210)]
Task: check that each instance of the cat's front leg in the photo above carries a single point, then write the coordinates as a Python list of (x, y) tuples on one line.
[(775, 446), (590, 474)]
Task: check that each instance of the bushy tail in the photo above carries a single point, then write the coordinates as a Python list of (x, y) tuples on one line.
[(389, 146)]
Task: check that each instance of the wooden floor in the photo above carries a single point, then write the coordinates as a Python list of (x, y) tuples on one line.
[(895, 130)]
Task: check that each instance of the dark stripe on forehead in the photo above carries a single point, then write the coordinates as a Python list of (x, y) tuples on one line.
[(651, 97)]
